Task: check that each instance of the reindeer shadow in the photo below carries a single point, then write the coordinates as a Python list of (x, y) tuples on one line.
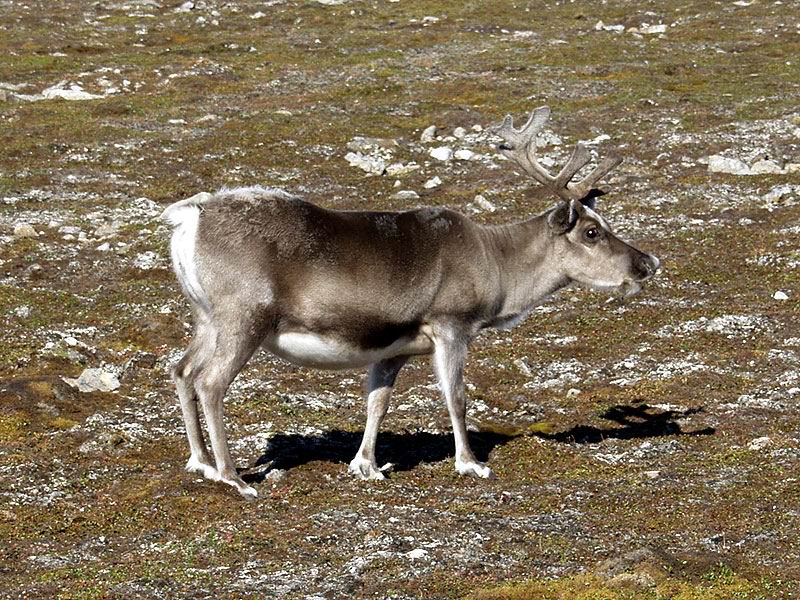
[(410, 449), (404, 450), (636, 421)]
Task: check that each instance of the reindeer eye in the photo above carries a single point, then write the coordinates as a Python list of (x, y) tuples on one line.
[(591, 234)]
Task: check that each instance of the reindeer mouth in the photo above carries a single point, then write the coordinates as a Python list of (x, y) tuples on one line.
[(628, 289)]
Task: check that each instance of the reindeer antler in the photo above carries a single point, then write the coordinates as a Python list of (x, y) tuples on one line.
[(520, 146)]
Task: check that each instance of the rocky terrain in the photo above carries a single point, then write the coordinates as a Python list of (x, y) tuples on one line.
[(644, 449)]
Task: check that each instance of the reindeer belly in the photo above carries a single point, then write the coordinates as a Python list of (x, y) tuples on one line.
[(322, 351)]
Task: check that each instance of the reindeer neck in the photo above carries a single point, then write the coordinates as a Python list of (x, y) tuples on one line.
[(530, 270)]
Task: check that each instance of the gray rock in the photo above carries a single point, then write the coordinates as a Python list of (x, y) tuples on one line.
[(464, 155), (367, 145), (484, 204), (442, 153), (275, 476), (428, 135), (406, 195), (94, 380), (733, 166), (766, 167), (779, 192), (459, 132), (105, 440), (432, 183), (24, 230), (400, 169), (368, 164)]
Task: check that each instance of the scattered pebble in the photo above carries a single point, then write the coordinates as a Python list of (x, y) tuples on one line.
[(759, 443), (442, 153), (428, 135), (464, 155), (368, 164), (523, 367), (275, 476), (459, 132), (573, 392), (417, 553), (406, 195), (94, 380), (24, 230), (432, 183), (484, 204), (780, 295)]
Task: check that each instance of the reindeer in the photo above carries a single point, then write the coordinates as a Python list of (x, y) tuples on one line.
[(333, 289)]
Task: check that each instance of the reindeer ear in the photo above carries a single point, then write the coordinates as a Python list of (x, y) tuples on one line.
[(590, 199), (563, 217)]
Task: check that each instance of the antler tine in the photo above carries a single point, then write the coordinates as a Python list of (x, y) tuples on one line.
[(519, 138), (519, 145), (584, 186), (579, 159)]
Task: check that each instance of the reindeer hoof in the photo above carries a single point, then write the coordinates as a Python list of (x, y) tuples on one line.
[(474, 469), (247, 492), (366, 470), (198, 465)]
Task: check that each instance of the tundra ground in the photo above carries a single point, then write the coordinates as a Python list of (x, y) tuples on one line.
[(649, 449)]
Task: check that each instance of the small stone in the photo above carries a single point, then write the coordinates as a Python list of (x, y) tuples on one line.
[(779, 192), (759, 443), (275, 476), (146, 260), (428, 135), (442, 153), (780, 295), (258, 15), (765, 167), (653, 29), (70, 341), (484, 204), (432, 183), (417, 553), (94, 380), (105, 440), (104, 247), (652, 474), (523, 367), (185, 7), (400, 169), (24, 230), (459, 132), (733, 166), (406, 195), (792, 168), (368, 164), (105, 230), (464, 155), (23, 312), (573, 392)]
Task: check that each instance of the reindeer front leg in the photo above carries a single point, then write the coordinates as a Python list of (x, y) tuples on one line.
[(450, 353)]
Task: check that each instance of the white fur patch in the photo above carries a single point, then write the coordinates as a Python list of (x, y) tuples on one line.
[(598, 218), (185, 217), (313, 350)]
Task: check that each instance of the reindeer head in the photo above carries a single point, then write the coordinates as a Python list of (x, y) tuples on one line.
[(584, 244)]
